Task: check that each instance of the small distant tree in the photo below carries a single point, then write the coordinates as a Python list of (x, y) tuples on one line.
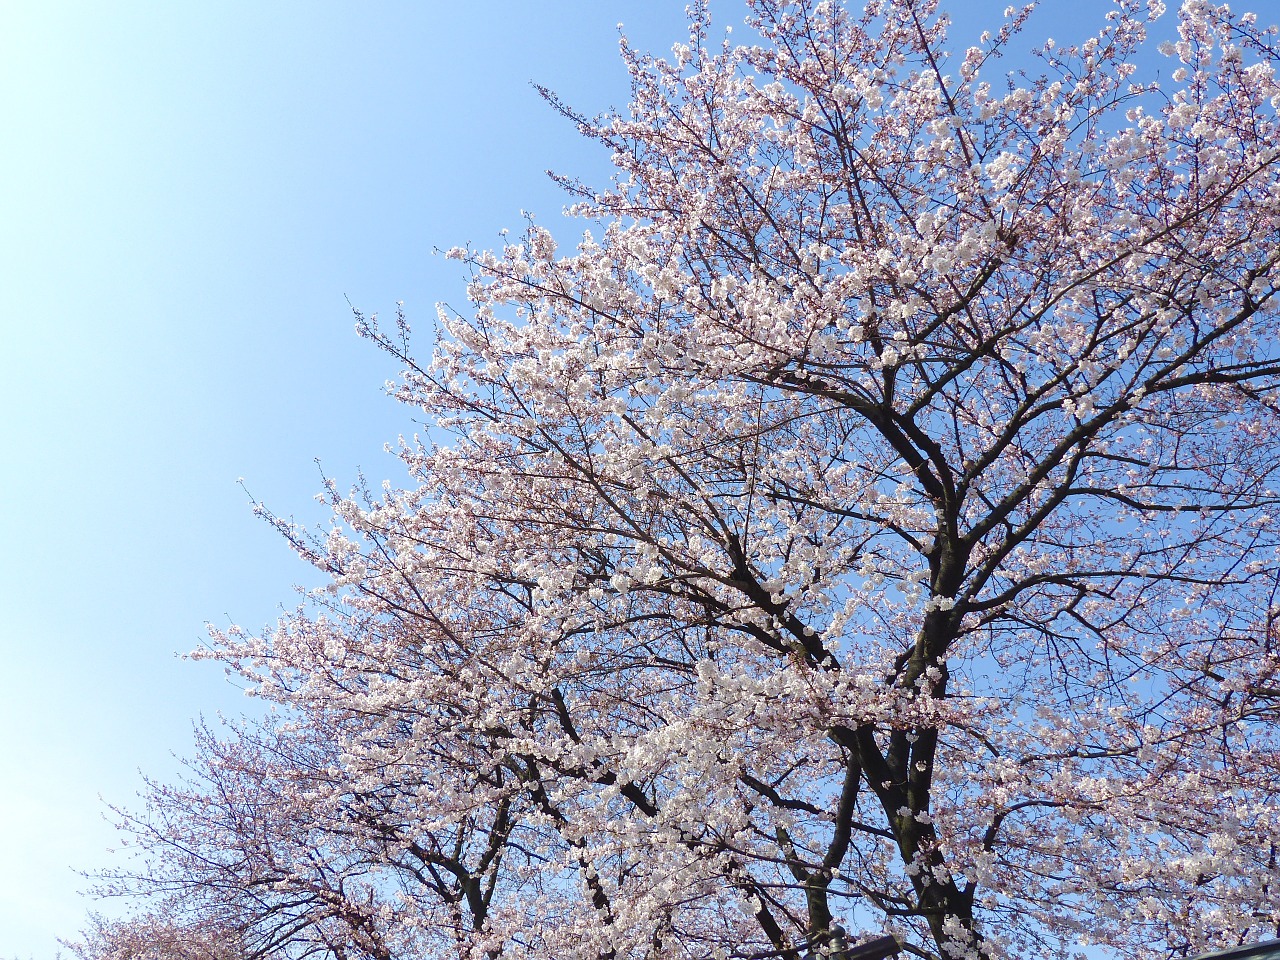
[(151, 937), (870, 527)]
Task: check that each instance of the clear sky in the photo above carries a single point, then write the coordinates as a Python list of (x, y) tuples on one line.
[(188, 192)]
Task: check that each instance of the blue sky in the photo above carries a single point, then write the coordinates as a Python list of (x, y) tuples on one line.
[(188, 193)]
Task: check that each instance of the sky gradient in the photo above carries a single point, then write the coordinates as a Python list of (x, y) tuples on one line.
[(189, 194)]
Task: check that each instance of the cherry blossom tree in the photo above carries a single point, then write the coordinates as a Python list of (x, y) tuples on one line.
[(868, 527), (152, 937)]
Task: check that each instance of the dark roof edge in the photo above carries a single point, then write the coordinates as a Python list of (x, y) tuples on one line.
[(1264, 948)]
